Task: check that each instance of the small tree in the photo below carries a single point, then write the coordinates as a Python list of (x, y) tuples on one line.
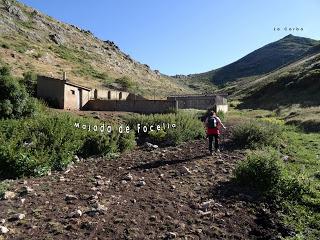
[(14, 99)]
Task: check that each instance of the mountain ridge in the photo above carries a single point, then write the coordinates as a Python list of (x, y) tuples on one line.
[(261, 61)]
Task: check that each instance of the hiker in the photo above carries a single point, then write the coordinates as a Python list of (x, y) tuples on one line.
[(213, 123)]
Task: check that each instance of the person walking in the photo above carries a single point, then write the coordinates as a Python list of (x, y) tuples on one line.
[(213, 123)]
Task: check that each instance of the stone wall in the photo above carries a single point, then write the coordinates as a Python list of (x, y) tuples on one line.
[(203, 102), (139, 106)]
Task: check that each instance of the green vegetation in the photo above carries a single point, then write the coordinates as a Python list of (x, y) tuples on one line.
[(34, 141), (30, 82), (264, 171), (125, 82), (188, 127), (33, 146), (15, 102), (257, 133), (285, 170)]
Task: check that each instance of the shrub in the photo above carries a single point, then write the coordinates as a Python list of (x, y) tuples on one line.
[(263, 171), (255, 134), (188, 127), (30, 82), (49, 142), (125, 82), (14, 99)]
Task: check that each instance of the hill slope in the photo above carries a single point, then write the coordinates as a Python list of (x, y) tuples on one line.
[(30, 40), (260, 61)]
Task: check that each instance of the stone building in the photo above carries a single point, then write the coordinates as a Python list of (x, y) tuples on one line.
[(68, 95), (62, 93)]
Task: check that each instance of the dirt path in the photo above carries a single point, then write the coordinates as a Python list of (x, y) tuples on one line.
[(176, 192)]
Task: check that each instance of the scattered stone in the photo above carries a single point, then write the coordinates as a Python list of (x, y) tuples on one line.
[(70, 197), (171, 235), (100, 183), (26, 190), (16, 217), (75, 214), (3, 230), (150, 146), (9, 195), (285, 158), (62, 179), (123, 182), (153, 218), (128, 177), (2, 221), (140, 183), (204, 213), (98, 177), (76, 158), (56, 38), (23, 200), (185, 170)]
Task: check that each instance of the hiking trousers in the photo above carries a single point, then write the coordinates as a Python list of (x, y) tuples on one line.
[(216, 141)]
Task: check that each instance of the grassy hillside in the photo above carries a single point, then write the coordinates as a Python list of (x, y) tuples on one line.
[(292, 92), (32, 41), (260, 61)]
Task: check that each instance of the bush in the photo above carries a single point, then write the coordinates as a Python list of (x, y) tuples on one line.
[(125, 82), (49, 142), (264, 172), (14, 99), (30, 82), (256, 134), (188, 127)]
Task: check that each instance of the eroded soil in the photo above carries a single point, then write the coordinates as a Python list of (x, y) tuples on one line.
[(176, 192)]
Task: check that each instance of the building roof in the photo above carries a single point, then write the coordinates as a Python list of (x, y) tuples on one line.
[(76, 85)]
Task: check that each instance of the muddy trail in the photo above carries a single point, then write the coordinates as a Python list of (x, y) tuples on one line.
[(165, 193)]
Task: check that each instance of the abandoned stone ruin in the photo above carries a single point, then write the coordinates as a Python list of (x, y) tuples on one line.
[(64, 94)]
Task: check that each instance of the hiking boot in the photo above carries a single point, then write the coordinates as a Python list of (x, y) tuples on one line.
[(211, 153), (217, 150)]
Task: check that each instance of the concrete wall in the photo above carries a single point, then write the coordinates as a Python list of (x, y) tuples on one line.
[(85, 97), (222, 108), (200, 101), (111, 94), (139, 106), (71, 97), (51, 90)]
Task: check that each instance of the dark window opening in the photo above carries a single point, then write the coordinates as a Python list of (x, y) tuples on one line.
[(109, 94), (73, 92), (120, 95)]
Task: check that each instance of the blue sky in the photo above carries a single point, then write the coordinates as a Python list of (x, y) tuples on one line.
[(187, 36)]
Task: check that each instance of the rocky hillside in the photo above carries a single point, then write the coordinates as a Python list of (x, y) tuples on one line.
[(261, 61), (32, 41)]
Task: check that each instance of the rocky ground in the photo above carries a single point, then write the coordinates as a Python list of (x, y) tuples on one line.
[(164, 193)]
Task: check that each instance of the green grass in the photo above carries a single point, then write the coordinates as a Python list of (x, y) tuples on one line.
[(297, 189)]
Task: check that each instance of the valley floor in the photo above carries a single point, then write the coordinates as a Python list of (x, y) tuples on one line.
[(176, 192)]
